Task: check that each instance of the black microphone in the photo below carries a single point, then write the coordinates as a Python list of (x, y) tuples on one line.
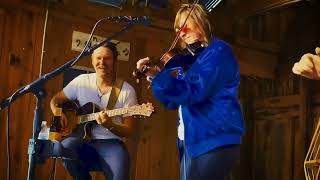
[(129, 19)]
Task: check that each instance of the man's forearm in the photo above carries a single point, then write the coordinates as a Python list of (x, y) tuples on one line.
[(58, 99), (120, 129)]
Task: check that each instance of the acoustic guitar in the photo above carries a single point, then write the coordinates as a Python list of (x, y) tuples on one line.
[(89, 112)]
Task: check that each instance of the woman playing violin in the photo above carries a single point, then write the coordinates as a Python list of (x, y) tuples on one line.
[(206, 96)]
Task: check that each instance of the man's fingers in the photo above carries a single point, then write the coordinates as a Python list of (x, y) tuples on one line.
[(310, 76), (318, 51), (99, 118), (300, 69), (102, 118), (303, 67), (316, 64), (306, 63), (64, 121), (296, 69)]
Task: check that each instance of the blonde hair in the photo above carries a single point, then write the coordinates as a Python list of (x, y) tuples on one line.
[(199, 17)]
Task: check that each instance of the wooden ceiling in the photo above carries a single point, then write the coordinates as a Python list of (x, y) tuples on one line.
[(162, 8)]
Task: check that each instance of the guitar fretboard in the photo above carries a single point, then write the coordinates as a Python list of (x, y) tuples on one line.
[(94, 116)]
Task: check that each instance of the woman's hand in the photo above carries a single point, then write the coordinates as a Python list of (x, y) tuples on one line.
[(151, 70)]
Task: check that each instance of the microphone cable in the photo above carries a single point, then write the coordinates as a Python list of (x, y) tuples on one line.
[(8, 133), (89, 40), (110, 18)]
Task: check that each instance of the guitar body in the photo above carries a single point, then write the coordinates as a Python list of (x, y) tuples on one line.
[(73, 112)]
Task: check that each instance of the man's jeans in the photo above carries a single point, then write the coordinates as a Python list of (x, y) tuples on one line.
[(107, 155)]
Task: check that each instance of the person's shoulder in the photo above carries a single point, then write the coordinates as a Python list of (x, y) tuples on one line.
[(126, 86), (219, 43), (83, 78), (87, 76)]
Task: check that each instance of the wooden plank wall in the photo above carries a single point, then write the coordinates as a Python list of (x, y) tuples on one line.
[(21, 34), (276, 137), (279, 132), (263, 53), (152, 148)]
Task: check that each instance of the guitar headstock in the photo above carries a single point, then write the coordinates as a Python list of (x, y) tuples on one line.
[(144, 109)]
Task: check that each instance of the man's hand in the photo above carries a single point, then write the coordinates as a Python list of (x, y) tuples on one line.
[(64, 120), (57, 99), (309, 65), (104, 120)]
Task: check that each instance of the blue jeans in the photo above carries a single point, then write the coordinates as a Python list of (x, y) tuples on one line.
[(214, 165), (107, 155)]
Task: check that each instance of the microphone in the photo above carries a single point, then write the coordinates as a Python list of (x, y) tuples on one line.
[(129, 19)]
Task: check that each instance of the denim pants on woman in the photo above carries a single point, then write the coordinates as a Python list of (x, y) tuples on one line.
[(107, 155), (213, 165)]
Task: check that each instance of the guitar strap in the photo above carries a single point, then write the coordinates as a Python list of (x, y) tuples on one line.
[(115, 91), (116, 88)]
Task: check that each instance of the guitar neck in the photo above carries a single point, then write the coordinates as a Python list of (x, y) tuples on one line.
[(93, 116)]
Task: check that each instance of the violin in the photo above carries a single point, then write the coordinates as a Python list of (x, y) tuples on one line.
[(173, 58)]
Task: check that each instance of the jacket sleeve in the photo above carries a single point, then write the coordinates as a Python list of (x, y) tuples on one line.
[(215, 68)]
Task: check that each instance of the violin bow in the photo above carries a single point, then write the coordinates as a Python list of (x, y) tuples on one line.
[(184, 23)]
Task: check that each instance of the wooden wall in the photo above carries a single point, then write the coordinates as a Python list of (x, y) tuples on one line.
[(278, 125), (275, 102), (152, 147), (21, 34)]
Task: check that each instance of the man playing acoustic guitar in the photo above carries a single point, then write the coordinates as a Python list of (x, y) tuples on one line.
[(105, 148)]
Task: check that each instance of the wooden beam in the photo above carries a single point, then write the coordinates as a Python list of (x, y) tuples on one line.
[(244, 9), (258, 45), (8, 6), (278, 116), (256, 63), (278, 102), (93, 10)]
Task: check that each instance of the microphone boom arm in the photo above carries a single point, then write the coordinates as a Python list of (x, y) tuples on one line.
[(33, 86)]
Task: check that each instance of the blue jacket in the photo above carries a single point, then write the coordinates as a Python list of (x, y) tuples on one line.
[(208, 95)]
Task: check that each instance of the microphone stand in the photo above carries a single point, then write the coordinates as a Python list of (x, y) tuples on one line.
[(36, 87)]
